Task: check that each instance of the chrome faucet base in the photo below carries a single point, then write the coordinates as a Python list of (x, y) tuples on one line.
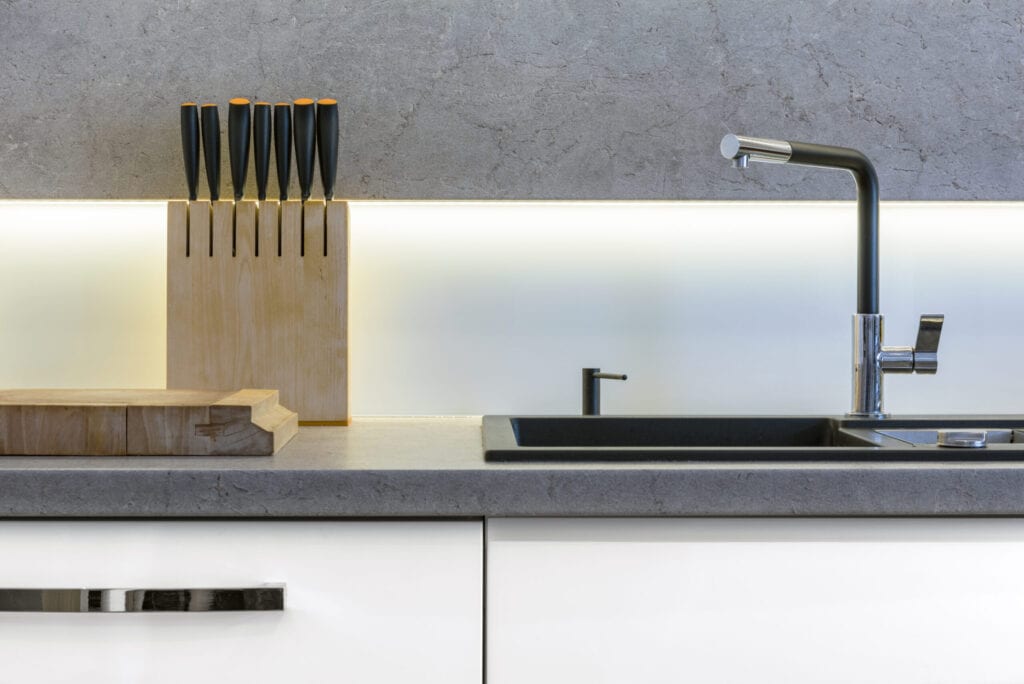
[(867, 371), (871, 360)]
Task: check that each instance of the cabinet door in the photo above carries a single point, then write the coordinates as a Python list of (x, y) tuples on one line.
[(801, 600), (365, 602)]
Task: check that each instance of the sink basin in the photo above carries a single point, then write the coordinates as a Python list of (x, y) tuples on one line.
[(745, 438)]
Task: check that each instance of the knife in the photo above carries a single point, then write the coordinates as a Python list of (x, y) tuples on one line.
[(261, 146), (211, 148), (239, 127), (305, 144), (327, 143), (190, 146), (283, 146)]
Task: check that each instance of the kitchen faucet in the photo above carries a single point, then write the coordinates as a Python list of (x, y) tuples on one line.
[(870, 359)]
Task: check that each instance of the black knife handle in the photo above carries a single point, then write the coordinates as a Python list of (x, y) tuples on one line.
[(239, 132), (283, 146), (305, 143), (190, 146), (327, 143), (261, 146), (211, 147)]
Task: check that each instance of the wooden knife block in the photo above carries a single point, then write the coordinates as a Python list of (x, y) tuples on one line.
[(257, 296)]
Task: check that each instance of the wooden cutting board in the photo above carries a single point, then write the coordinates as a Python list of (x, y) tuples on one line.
[(54, 422)]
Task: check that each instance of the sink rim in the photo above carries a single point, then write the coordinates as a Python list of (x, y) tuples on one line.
[(500, 443)]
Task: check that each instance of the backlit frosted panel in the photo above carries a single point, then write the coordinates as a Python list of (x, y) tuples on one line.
[(967, 261), (709, 307), (492, 307), (705, 306), (82, 292)]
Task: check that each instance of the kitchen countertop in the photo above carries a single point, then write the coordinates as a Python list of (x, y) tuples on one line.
[(434, 467)]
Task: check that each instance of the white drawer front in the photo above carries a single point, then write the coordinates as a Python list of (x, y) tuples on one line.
[(788, 601), (365, 601)]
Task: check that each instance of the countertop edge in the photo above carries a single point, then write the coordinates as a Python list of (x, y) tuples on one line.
[(754, 491)]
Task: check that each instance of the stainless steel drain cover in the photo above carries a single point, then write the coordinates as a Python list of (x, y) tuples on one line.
[(962, 439)]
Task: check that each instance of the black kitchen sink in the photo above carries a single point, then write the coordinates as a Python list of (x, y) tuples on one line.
[(745, 438)]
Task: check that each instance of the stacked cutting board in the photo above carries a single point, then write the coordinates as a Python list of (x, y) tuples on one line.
[(143, 423)]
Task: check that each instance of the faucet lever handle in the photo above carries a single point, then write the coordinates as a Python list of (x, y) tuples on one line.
[(926, 351)]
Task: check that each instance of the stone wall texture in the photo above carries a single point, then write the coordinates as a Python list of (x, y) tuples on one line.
[(525, 99)]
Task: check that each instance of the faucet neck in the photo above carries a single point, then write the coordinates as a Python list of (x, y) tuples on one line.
[(809, 154)]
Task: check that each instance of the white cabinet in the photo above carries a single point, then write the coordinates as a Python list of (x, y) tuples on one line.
[(365, 601), (746, 600)]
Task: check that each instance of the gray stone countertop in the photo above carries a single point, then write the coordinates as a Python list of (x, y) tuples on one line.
[(434, 467)]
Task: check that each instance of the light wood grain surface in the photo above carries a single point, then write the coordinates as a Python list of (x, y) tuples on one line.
[(258, 298), (143, 422)]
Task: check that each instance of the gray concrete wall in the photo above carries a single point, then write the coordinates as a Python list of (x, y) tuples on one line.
[(525, 98)]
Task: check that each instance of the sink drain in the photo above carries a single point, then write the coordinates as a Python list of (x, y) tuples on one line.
[(962, 439)]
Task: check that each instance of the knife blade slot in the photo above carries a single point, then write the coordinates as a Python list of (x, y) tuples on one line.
[(256, 230), (188, 230), (234, 229), (209, 239)]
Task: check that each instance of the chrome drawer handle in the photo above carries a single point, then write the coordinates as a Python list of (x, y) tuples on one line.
[(263, 597)]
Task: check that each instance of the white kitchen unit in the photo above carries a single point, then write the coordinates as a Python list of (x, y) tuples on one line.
[(755, 600), (384, 602)]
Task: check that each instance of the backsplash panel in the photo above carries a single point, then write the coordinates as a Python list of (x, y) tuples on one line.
[(525, 100), (470, 308)]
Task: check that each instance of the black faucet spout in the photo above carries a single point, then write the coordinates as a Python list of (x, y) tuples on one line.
[(742, 150), (809, 154)]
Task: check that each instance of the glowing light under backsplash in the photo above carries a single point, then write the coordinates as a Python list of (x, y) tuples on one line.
[(474, 307), (82, 294)]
